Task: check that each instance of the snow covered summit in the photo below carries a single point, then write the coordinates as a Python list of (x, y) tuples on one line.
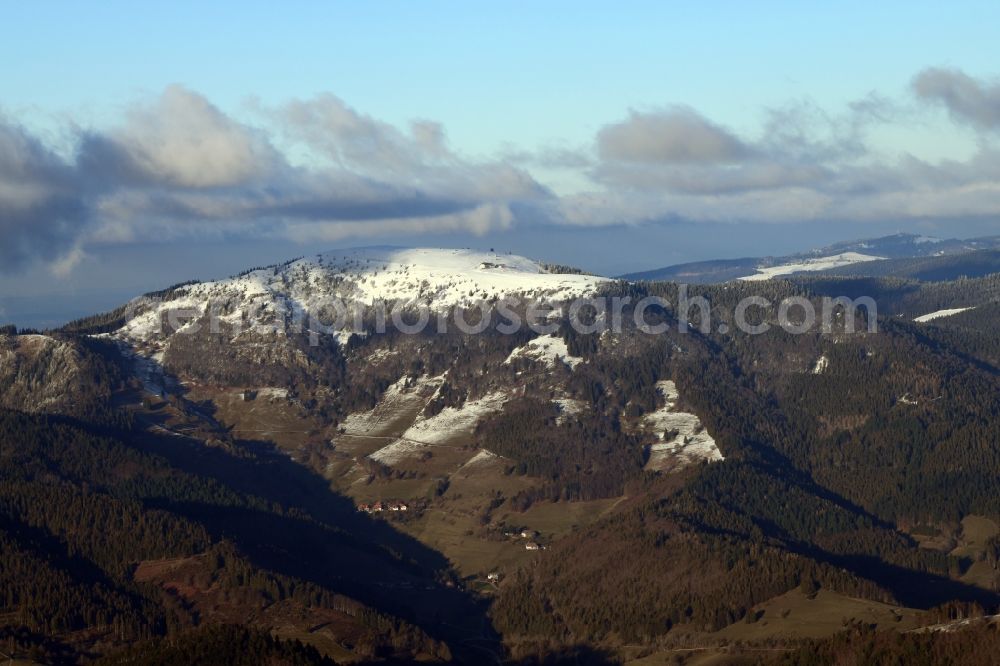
[(445, 278), (435, 278)]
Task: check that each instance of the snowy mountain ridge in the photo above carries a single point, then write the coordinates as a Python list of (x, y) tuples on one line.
[(879, 256), (438, 279)]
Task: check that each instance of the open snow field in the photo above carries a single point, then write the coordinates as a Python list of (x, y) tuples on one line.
[(811, 265)]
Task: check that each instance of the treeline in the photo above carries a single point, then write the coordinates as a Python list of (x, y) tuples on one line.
[(862, 644), (219, 644), (11, 329)]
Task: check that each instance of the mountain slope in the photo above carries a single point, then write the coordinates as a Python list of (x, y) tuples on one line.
[(557, 475), (130, 534), (292, 292)]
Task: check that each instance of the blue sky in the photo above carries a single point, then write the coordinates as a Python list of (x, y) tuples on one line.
[(553, 128), (492, 73)]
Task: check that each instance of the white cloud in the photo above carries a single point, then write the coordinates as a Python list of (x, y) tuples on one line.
[(806, 165), (183, 140), (182, 167), (179, 167)]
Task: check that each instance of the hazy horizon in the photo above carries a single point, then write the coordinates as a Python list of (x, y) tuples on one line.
[(48, 307)]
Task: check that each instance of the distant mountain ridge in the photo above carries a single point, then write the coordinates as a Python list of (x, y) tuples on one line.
[(876, 256)]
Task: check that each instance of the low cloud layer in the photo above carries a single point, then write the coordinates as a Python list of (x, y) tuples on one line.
[(319, 171), (805, 165)]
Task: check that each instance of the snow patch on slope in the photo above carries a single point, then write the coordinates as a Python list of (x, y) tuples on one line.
[(452, 421), (930, 316), (683, 438), (822, 363), (407, 393), (481, 459), (443, 429), (547, 349), (568, 407), (397, 452), (272, 393), (810, 265)]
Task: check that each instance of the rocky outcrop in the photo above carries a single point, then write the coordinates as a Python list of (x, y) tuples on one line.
[(43, 374)]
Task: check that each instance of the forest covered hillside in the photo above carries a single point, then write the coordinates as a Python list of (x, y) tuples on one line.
[(501, 494)]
